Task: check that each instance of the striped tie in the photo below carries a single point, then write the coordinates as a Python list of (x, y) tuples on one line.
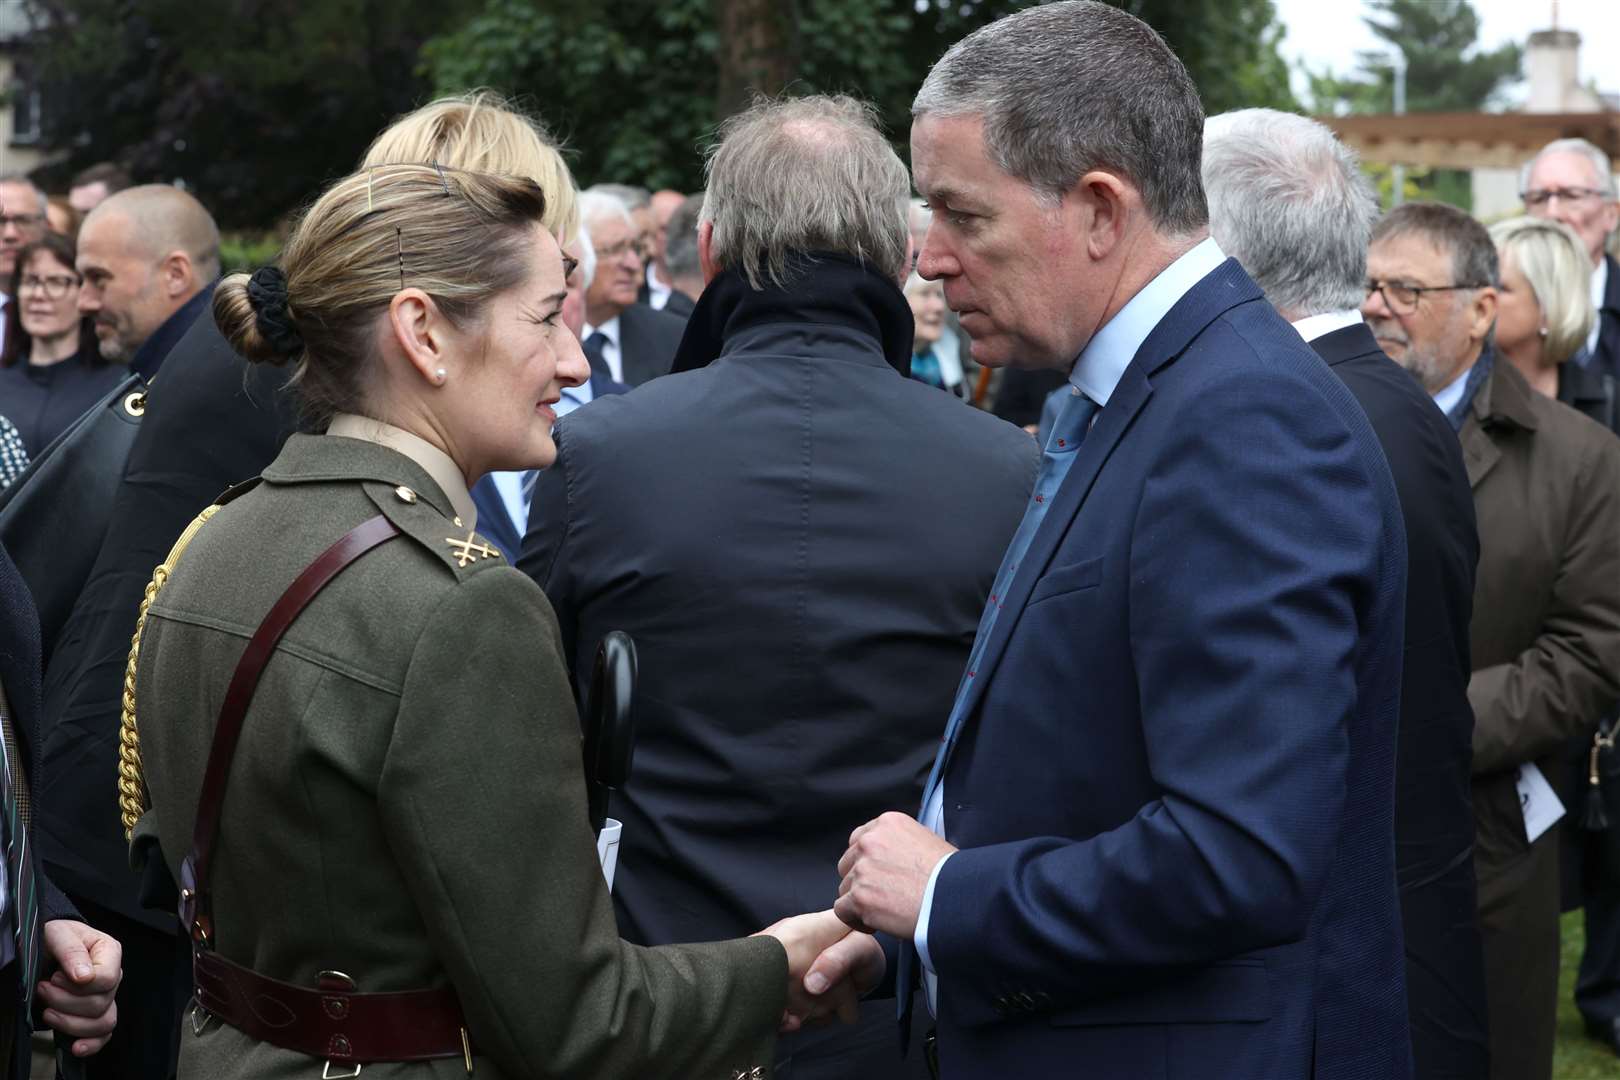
[(24, 906)]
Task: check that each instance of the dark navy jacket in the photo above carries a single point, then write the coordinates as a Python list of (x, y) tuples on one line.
[(1174, 790)]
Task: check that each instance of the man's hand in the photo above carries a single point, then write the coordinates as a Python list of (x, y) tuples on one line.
[(806, 938), (885, 874), (846, 971), (78, 999)]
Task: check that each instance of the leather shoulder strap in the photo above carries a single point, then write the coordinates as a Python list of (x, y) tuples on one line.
[(227, 732)]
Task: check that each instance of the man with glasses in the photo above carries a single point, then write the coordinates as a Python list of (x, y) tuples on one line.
[(1545, 631), (1571, 181), (624, 340), (22, 221)]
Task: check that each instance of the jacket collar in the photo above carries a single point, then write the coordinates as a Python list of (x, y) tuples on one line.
[(325, 458), (1504, 399), (1346, 343), (823, 290), (149, 357)]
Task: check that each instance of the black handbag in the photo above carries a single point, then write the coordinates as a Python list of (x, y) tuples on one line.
[(1598, 815), (55, 516)]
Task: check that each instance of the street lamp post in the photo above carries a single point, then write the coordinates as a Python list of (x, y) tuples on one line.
[(1398, 173)]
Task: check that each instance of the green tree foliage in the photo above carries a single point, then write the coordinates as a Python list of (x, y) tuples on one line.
[(1445, 72), (636, 89), (253, 103)]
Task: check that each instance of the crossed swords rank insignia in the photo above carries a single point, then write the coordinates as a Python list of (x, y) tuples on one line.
[(470, 550)]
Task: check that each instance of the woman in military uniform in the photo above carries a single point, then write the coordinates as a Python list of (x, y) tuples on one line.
[(394, 863)]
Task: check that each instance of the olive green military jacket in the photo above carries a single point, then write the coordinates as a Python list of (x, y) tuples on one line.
[(407, 802)]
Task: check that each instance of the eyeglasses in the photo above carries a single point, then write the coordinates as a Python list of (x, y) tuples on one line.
[(21, 221), (54, 286), (1403, 299), (613, 251), (1542, 196)]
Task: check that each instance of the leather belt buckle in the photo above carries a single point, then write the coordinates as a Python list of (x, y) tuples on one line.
[(335, 987), (200, 1017)]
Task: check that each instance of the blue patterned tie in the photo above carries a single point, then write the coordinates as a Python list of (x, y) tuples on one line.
[(1068, 432)]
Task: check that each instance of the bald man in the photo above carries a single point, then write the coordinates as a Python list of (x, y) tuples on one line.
[(149, 256)]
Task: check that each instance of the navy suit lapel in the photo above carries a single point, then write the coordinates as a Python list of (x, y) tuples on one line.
[(1222, 289)]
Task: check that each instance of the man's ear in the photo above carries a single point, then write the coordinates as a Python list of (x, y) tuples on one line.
[(1482, 314), (416, 324), (178, 275), (1100, 203), (711, 269)]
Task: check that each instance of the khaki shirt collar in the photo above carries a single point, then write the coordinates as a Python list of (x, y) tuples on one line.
[(433, 461)]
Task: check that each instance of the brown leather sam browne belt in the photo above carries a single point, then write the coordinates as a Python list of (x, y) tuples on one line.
[(334, 1020)]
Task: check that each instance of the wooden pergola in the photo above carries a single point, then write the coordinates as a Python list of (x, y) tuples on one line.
[(1470, 140)]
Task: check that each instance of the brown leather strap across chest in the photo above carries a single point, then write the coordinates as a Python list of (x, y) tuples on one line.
[(332, 1021)]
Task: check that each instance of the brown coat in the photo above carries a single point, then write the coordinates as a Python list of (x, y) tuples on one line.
[(406, 804), (1546, 659)]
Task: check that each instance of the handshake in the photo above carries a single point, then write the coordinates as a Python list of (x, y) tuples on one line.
[(832, 958), (829, 968)]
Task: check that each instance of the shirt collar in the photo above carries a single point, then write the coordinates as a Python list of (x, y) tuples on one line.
[(609, 330), (1110, 351), (1314, 326), (1450, 394), (435, 462)]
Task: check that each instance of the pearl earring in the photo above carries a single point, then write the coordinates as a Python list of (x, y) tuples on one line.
[(441, 374), (1543, 331)]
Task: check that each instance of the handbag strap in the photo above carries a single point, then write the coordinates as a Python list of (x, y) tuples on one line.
[(194, 895)]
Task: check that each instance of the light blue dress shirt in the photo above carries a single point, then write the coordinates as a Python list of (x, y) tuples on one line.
[(1096, 374), (1450, 394)]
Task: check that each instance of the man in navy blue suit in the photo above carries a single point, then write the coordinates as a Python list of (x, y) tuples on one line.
[(1158, 837)]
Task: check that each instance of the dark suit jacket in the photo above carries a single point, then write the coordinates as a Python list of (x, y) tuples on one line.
[(495, 523), (1606, 358), (212, 420), (647, 342), (20, 675), (802, 576), (1174, 789), (1434, 818), (679, 304)]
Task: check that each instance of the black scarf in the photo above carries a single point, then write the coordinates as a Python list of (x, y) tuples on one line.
[(823, 288)]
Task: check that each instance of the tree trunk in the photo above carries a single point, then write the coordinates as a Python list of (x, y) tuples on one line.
[(759, 49)]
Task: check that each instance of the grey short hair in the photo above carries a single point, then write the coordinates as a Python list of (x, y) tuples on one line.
[(681, 238), (1472, 251), (1554, 261), (22, 178), (587, 256), (1290, 202), (1599, 160), (596, 205), (634, 198), (1074, 86), (805, 174)]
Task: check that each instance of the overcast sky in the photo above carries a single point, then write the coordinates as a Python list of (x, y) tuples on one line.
[(1329, 33)]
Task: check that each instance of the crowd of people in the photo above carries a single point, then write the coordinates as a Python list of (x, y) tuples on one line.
[(1107, 598)]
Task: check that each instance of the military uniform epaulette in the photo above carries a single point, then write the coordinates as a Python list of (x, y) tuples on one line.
[(460, 548)]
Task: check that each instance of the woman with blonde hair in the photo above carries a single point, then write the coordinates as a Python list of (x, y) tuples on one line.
[(213, 420), (376, 808), (1544, 304)]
